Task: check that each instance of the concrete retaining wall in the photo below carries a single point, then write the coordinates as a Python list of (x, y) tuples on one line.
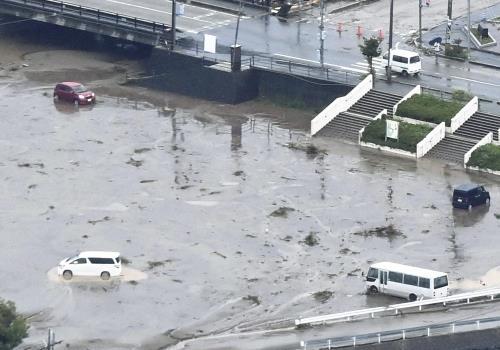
[(193, 76)]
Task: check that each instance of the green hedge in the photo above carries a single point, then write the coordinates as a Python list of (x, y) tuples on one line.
[(429, 108), (486, 157), (409, 135)]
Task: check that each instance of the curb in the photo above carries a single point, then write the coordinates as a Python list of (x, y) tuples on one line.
[(347, 7)]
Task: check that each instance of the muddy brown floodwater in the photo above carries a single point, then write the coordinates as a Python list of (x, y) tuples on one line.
[(232, 213)]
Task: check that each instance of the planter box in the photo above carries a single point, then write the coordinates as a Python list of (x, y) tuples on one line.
[(489, 171), (475, 40), (386, 149)]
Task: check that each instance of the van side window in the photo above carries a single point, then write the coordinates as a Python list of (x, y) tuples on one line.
[(411, 280), (101, 261), (395, 277), (80, 261), (414, 59), (424, 282), (400, 59)]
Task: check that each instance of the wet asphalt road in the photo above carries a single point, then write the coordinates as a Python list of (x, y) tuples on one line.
[(187, 192)]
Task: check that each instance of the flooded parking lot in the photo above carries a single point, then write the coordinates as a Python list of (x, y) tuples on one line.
[(228, 216)]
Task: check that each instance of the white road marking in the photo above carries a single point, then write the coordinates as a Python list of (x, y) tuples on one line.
[(474, 81), (166, 12)]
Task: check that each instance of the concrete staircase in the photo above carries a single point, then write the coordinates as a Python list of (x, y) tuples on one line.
[(479, 125), (346, 125), (452, 148), (375, 101)]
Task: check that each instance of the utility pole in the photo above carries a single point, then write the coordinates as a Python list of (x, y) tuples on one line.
[(468, 31), (172, 44), (389, 60), (322, 33), (448, 25), (420, 23)]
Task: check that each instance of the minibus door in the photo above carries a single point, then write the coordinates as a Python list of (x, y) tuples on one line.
[(383, 281)]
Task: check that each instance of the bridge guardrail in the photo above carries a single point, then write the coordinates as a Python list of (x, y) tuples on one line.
[(490, 294), (402, 334), (89, 13)]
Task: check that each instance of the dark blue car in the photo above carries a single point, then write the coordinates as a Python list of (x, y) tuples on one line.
[(470, 195)]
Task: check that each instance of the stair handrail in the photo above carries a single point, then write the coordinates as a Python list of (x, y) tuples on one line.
[(484, 141), (417, 90), (431, 140), (464, 114), (341, 104), (377, 117)]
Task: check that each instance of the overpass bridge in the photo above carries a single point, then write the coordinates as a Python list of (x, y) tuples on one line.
[(89, 19)]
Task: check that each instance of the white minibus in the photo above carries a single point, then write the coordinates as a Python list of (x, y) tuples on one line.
[(406, 281), (102, 264), (403, 61)]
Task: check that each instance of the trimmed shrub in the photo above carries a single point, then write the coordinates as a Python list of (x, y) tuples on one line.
[(486, 157), (409, 135), (429, 109), (461, 95), (13, 327)]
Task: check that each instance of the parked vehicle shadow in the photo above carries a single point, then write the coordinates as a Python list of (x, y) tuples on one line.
[(69, 108), (468, 218)]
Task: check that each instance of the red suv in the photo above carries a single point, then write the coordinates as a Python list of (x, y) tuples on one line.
[(73, 92)]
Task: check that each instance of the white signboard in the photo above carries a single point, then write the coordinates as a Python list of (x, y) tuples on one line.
[(210, 43), (179, 9), (391, 129)]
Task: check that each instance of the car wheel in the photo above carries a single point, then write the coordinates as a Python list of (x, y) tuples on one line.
[(67, 275), (373, 290), (105, 275), (415, 75), (412, 297), (405, 73)]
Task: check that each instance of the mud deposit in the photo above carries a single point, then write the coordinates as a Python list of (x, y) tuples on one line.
[(186, 191)]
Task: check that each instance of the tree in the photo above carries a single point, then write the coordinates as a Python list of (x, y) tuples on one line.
[(13, 328), (370, 48)]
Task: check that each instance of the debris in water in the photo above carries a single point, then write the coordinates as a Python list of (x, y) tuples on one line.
[(136, 163), (93, 222), (383, 232), (253, 299), (323, 296), (311, 239), (282, 212)]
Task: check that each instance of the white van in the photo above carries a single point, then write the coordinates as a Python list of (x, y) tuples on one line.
[(103, 264), (406, 281), (403, 61)]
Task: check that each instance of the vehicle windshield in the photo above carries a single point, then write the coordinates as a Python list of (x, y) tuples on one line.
[(440, 282), (372, 273), (414, 59), (80, 88), (72, 258)]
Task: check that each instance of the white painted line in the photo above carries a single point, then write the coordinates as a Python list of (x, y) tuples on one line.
[(475, 81), (166, 12)]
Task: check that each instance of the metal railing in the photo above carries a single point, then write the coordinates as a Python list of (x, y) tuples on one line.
[(481, 295), (402, 334), (89, 14)]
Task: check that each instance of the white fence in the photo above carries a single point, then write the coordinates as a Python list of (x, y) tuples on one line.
[(484, 141), (431, 140), (415, 91), (377, 117), (480, 295), (464, 114), (341, 104)]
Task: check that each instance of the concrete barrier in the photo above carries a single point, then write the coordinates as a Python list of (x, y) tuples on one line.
[(431, 140), (341, 104), (377, 117), (417, 90), (464, 114), (484, 141)]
